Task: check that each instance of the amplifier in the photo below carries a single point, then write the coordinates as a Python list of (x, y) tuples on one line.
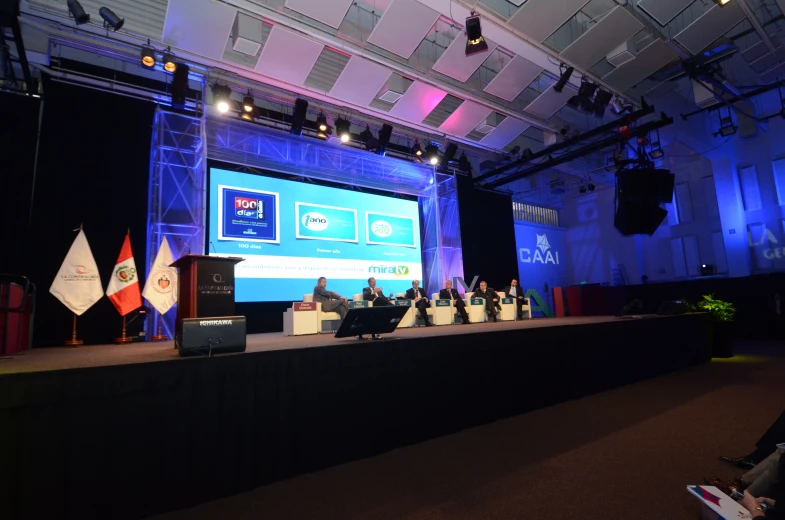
[(208, 336)]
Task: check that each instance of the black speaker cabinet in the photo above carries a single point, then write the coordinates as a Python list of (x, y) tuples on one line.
[(208, 336)]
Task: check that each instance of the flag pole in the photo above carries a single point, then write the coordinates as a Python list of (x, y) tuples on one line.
[(123, 338), (73, 342), (160, 336)]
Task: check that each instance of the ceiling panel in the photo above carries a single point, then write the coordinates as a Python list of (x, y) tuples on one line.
[(288, 56), (538, 19), (198, 26), (418, 101), (649, 60), (403, 26), (330, 12), (465, 118), (360, 80), (663, 11), (611, 31), (455, 63), (550, 102), (507, 130), (513, 78), (709, 26)]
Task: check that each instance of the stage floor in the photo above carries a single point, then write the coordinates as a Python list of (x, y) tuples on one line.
[(63, 358)]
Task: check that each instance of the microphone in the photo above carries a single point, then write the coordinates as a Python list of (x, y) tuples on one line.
[(213, 246), (184, 244)]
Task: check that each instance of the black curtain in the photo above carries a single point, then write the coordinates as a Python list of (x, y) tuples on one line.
[(93, 169), (487, 235), (18, 133)]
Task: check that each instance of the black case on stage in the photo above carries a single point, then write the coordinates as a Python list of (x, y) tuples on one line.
[(208, 336)]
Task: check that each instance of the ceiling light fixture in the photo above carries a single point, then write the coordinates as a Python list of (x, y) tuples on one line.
[(169, 64), (564, 78), (722, 3), (248, 105), (474, 41), (78, 13), (147, 56), (111, 20), (342, 128), (321, 122), (432, 153), (417, 149), (601, 101), (221, 97)]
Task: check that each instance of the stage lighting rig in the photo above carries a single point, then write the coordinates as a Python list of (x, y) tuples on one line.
[(384, 139), (321, 122), (147, 56), (222, 97), (248, 104), (583, 99), (727, 127), (342, 129), (601, 100), (78, 13), (656, 151), (722, 3), (169, 64), (563, 78), (417, 149), (111, 20), (432, 154), (474, 41), (299, 115)]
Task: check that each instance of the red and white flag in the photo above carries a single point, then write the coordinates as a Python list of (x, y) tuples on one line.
[(123, 288)]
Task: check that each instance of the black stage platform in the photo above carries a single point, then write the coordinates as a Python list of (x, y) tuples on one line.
[(129, 431)]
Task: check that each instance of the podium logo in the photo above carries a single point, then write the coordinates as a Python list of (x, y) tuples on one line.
[(381, 229), (314, 221), (395, 270), (247, 207)]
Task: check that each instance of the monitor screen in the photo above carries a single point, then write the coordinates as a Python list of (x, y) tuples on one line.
[(291, 233)]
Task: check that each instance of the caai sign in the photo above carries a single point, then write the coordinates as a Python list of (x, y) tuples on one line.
[(543, 254)]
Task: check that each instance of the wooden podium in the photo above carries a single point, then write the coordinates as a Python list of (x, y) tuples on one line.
[(205, 289)]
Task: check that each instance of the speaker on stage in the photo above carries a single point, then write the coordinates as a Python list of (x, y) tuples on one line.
[(639, 193), (208, 336), (673, 308)]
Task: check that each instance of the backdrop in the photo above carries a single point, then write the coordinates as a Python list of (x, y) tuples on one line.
[(93, 166)]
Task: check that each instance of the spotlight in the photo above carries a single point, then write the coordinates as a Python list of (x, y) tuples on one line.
[(299, 115), (563, 79), (78, 12), (515, 150), (342, 128), (221, 97), (169, 63), (321, 122), (601, 100), (474, 41), (583, 98), (722, 3), (582, 189), (180, 86), (432, 153), (148, 56), (591, 186), (417, 149), (366, 136), (248, 105), (248, 116), (111, 19), (618, 105)]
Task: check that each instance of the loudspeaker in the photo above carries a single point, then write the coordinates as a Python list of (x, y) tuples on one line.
[(636, 219), (208, 336), (9, 11), (298, 116), (673, 308), (449, 153), (644, 185), (180, 86)]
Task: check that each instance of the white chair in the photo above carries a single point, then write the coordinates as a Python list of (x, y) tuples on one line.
[(508, 309), (526, 308), (476, 312), (322, 316), (443, 311)]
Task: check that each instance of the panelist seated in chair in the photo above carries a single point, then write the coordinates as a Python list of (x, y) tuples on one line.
[(418, 294), (491, 300), (448, 293), (514, 291), (375, 294), (331, 301)]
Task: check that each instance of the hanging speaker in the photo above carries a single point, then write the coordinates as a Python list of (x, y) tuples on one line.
[(180, 86)]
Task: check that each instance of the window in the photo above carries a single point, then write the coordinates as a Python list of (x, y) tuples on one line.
[(684, 202), (750, 192), (535, 214)]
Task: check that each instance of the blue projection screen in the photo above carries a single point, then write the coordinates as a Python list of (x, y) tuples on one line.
[(291, 233)]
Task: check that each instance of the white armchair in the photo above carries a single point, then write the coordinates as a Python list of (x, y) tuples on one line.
[(508, 309), (322, 316), (476, 312)]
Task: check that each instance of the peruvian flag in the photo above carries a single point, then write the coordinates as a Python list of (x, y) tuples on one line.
[(123, 287)]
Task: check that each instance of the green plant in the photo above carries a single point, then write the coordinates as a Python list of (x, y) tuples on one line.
[(720, 310)]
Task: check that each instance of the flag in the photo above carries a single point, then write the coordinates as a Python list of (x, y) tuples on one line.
[(123, 288), (77, 284), (161, 286)]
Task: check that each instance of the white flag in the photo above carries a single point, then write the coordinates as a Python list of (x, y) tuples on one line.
[(161, 286), (77, 284)]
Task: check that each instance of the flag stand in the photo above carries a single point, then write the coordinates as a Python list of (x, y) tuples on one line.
[(73, 342), (159, 336), (123, 338)]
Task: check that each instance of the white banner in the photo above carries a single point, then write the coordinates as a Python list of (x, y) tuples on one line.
[(77, 284)]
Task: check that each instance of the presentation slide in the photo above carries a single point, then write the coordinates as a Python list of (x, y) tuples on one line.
[(291, 233)]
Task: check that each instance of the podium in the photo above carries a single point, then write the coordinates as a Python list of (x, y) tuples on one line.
[(205, 289)]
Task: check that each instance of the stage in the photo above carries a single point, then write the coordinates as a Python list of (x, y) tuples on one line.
[(88, 431)]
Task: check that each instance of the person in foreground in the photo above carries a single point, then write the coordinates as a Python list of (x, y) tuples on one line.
[(491, 299), (375, 294), (448, 293), (759, 481), (765, 446), (331, 301), (514, 291), (420, 298), (765, 507)]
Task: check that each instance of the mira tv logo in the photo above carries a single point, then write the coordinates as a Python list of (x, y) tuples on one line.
[(315, 221), (381, 229), (249, 208), (395, 270), (542, 253)]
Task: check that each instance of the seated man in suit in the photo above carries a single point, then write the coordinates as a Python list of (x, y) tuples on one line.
[(514, 291), (491, 299), (331, 301), (374, 294), (420, 298), (448, 293)]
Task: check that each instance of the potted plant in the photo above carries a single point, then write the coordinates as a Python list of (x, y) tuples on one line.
[(722, 314)]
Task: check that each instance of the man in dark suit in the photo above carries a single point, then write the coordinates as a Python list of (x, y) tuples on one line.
[(374, 294), (448, 293), (417, 294), (491, 299), (515, 292), (331, 301)]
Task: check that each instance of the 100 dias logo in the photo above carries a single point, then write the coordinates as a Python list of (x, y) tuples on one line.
[(250, 208), (314, 221)]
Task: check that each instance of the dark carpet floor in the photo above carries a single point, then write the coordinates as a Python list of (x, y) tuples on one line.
[(628, 453)]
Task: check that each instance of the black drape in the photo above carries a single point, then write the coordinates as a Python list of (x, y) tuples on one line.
[(93, 169), (487, 235)]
